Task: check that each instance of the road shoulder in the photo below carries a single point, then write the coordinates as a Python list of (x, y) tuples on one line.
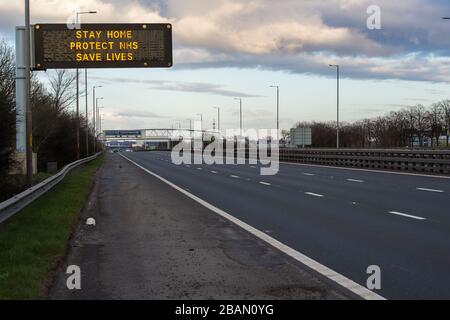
[(151, 242)]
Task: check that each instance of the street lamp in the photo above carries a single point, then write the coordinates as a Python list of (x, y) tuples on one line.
[(100, 119), (240, 114), (97, 109), (101, 115), (278, 109), (337, 121), (201, 126), (201, 121), (190, 124), (94, 113), (218, 118), (78, 98), (94, 104)]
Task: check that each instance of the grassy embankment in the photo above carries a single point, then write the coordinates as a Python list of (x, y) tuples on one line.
[(35, 240)]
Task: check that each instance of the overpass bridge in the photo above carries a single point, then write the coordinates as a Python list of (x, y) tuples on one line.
[(150, 138)]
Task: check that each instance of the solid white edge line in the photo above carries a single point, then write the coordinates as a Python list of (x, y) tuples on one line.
[(341, 280), (407, 215), (430, 190)]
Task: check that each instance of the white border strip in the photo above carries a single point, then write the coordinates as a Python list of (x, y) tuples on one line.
[(323, 270)]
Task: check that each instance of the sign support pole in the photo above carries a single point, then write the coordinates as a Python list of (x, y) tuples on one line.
[(87, 114), (21, 94), (78, 115), (29, 128)]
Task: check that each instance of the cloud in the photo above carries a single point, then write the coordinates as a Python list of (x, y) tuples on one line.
[(139, 114), (290, 35), (181, 86)]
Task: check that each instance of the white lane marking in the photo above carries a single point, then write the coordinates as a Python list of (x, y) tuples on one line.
[(308, 174), (214, 172), (314, 194), (430, 190), (199, 168), (265, 183), (253, 167), (235, 177), (338, 278), (355, 180), (406, 215)]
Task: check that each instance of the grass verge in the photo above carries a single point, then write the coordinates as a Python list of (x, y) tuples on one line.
[(35, 240)]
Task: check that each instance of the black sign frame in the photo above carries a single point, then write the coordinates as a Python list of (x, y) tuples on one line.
[(40, 64)]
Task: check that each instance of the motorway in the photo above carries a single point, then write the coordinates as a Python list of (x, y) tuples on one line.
[(344, 219)]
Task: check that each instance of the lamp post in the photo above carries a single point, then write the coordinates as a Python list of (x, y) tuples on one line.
[(78, 93), (240, 115), (218, 118), (97, 112), (190, 124), (100, 122), (337, 118), (201, 121), (94, 114), (278, 109), (201, 126)]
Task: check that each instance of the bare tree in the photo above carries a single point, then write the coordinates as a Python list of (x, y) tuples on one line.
[(445, 107), (7, 71), (436, 122), (7, 121), (62, 89)]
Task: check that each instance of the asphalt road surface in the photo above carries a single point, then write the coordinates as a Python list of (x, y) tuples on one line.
[(345, 219), (152, 242)]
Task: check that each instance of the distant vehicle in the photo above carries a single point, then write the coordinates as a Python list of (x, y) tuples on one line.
[(115, 150)]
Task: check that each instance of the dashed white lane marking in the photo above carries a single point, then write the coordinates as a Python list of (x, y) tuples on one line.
[(235, 177), (265, 183), (338, 278), (355, 180), (253, 167), (308, 174), (314, 194), (214, 172), (407, 215), (199, 168), (430, 190)]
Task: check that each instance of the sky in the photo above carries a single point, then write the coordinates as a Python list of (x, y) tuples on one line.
[(238, 48)]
